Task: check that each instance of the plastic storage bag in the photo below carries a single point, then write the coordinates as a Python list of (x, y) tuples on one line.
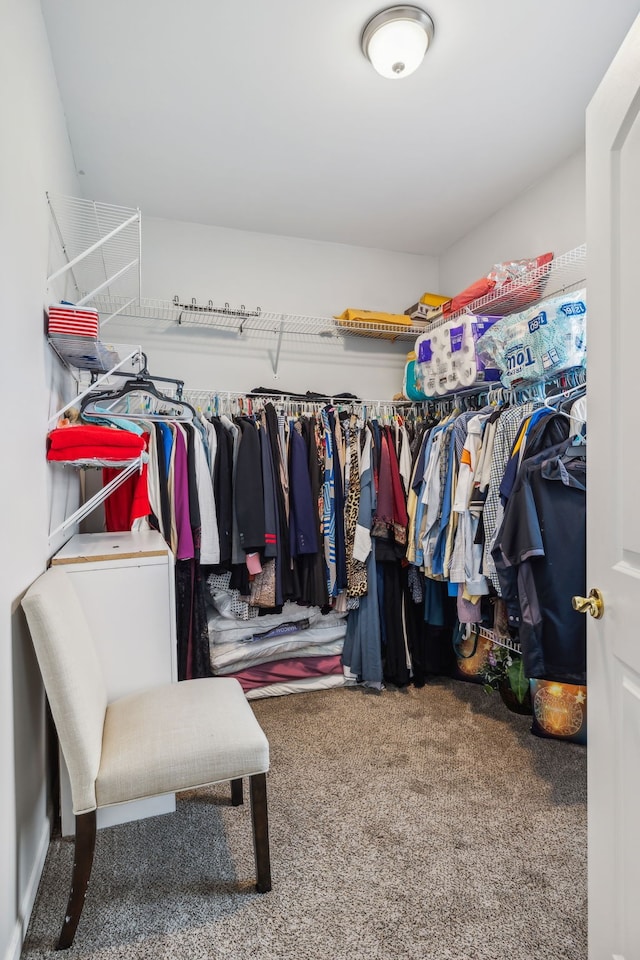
[(538, 342)]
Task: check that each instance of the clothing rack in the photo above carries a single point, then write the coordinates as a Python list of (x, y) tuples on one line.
[(494, 393), (546, 391), (489, 393)]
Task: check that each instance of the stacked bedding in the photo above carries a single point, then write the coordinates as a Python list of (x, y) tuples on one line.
[(93, 445), (297, 686), (297, 650)]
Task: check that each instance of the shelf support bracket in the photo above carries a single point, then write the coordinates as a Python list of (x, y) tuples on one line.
[(115, 313), (99, 497), (107, 283), (275, 360), (94, 246)]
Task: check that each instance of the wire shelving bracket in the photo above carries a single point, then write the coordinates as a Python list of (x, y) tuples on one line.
[(99, 497)]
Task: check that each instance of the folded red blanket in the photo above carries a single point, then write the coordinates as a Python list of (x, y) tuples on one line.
[(69, 438), (93, 443)]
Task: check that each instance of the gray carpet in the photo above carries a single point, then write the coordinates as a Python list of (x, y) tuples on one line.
[(425, 824)]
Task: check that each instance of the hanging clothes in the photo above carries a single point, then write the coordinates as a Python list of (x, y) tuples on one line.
[(285, 580), (362, 653), (303, 511), (338, 502), (390, 534), (543, 536), (313, 585), (505, 436), (357, 582), (248, 489), (223, 489)]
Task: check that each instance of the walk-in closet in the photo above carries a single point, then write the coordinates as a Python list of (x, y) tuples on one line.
[(321, 551)]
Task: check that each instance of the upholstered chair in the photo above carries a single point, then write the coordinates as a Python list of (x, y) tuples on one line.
[(162, 740)]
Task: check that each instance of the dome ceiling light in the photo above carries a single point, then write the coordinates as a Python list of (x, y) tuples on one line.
[(396, 40)]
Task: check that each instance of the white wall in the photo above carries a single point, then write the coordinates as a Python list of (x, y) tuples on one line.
[(35, 157), (550, 215), (279, 274)]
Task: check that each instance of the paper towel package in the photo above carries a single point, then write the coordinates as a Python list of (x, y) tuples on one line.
[(539, 342), (411, 385)]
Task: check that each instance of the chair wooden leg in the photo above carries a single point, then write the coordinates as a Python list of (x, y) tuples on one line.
[(82, 862), (258, 789), (237, 797)]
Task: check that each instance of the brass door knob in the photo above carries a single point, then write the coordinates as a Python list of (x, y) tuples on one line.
[(593, 604)]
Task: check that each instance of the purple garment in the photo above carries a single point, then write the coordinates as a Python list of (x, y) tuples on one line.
[(181, 500), (468, 612)]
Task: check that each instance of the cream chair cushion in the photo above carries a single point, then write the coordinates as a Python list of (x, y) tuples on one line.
[(179, 736), (72, 677)]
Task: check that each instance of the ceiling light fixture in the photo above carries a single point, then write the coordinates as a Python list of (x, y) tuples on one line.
[(396, 40)]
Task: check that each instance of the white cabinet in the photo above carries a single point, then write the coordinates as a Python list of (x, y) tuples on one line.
[(125, 583)]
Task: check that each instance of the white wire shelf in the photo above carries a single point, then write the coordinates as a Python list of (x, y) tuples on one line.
[(130, 354), (262, 323), (499, 641), (563, 273), (84, 353), (101, 245)]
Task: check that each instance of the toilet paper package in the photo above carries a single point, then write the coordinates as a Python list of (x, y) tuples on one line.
[(424, 369), (538, 342), (464, 335), (442, 360), (447, 360)]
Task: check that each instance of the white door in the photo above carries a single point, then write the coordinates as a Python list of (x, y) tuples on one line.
[(613, 277)]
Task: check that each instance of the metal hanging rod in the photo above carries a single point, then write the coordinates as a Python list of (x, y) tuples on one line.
[(194, 394)]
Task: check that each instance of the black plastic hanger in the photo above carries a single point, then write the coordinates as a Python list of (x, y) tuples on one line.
[(142, 383)]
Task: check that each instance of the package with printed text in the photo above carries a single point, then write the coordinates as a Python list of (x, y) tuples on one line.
[(539, 342)]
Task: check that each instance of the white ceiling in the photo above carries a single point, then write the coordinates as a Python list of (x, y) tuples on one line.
[(264, 115)]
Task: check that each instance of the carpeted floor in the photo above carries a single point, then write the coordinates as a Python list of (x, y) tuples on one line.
[(424, 824)]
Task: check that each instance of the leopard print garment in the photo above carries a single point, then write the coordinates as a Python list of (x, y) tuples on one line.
[(357, 585)]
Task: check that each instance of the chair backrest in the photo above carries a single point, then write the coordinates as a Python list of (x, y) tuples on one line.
[(72, 678)]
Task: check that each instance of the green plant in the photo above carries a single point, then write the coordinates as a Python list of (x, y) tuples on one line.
[(504, 665)]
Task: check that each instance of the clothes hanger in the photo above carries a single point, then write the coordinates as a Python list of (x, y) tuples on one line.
[(138, 399), (140, 387), (574, 392)]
